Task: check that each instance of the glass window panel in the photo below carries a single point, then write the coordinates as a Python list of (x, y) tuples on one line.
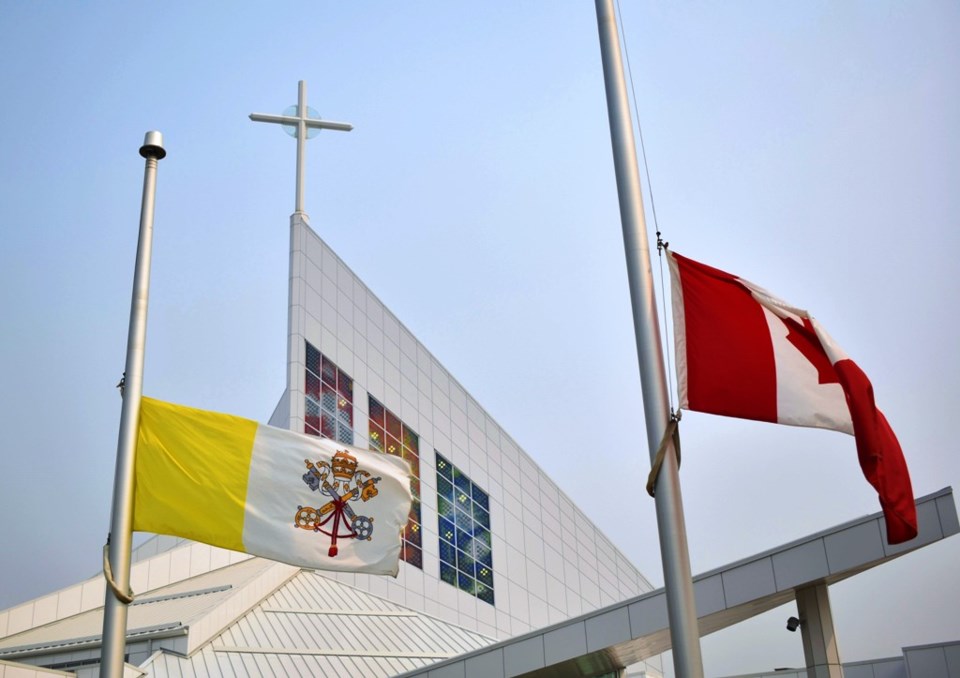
[(414, 466), (328, 399), (483, 536), (448, 554), (464, 519), (485, 594), (376, 437), (481, 498), (412, 460), (466, 562), (414, 536), (310, 429), (313, 359), (376, 411), (394, 427), (411, 440), (444, 488), (481, 516), (448, 573), (444, 467), (414, 556), (467, 521), (345, 387), (329, 373), (447, 530), (445, 508), (479, 551), (345, 434), (328, 426), (312, 416), (326, 413), (411, 532), (465, 582), (461, 481), (484, 575), (389, 440), (313, 385), (345, 413)]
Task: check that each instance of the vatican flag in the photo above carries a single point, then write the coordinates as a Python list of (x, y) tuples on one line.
[(234, 483)]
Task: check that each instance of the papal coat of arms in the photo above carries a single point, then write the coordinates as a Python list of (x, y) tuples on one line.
[(343, 482)]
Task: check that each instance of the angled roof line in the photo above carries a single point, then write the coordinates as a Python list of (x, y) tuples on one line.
[(636, 629)]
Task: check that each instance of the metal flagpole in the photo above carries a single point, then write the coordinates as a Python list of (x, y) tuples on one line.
[(121, 518), (684, 633)]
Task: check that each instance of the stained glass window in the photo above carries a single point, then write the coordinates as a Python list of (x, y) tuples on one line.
[(329, 399), (389, 434), (463, 521)]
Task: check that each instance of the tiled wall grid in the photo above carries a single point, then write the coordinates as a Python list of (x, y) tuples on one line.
[(550, 561)]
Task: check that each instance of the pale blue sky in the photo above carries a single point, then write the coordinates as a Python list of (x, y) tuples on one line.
[(812, 148)]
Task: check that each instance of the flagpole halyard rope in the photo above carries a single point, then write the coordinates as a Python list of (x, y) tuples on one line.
[(125, 598), (636, 109), (661, 244), (672, 432)]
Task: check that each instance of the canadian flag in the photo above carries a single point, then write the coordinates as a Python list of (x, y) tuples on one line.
[(742, 352)]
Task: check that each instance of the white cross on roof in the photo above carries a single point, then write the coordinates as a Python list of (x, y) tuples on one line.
[(300, 124)]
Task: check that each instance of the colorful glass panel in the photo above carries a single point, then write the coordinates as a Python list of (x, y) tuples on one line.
[(313, 359), (390, 435), (485, 593), (463, 521), (329, 374), (448, 573), (413, 555), (376, 437), (329, 398), (312, 416)]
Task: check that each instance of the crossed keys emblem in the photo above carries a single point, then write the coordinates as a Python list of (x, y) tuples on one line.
[(348, 484)]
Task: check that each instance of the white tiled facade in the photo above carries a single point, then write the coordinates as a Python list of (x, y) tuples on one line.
[(549, 561)]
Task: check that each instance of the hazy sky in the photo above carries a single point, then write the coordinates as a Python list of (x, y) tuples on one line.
[(812, 148)]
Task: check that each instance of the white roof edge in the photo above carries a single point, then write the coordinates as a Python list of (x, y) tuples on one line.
[(628, 632), (39, 670), (205, 627), (869, 518), (239, 597), (88, 594), (931, 646)]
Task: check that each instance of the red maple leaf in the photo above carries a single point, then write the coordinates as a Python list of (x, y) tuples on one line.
[(804, 338)]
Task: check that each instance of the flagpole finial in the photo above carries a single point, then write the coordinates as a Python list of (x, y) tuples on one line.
[(153, 146)]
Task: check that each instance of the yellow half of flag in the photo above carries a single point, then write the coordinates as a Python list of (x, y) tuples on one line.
[(231, 482)]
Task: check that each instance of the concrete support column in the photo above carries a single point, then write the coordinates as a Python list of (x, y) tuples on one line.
[(816, 627)]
